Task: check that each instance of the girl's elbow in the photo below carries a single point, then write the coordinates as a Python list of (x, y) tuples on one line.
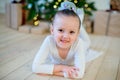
[(34, 69)]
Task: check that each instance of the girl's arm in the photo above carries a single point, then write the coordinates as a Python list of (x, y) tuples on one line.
[(79, 61), (59, 71), (39, 65), (56, 74)]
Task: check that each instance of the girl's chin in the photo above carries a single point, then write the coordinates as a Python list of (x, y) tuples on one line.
[(64, 46)]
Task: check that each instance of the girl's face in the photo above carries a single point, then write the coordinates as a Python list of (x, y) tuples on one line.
[(65, 30)]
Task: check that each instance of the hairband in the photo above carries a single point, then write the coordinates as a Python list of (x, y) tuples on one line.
[(67, 5), (71, 6)]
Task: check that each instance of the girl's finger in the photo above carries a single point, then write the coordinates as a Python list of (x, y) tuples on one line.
[(75, 73), (75, 68), (69, 73)]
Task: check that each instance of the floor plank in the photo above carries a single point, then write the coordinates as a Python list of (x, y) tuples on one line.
[(109, 67), (60, 78), (37, 77), (17, 50), (118, 74), (94, 42), (22, 72), (16, 63), (94, 67)]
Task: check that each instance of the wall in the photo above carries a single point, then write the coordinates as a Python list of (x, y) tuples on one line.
[(101, 4), (2, 5)]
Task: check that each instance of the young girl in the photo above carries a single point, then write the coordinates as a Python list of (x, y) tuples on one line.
[(63, 52)]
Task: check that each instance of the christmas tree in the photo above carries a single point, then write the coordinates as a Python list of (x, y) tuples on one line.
[(45, 9)]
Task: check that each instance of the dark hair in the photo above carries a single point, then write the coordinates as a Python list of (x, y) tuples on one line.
[(67, 12)]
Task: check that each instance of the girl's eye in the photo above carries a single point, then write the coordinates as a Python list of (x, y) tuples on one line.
[(60, 30), (71, 32)]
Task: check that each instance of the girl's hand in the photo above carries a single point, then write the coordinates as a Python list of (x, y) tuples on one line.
[(71, 71)]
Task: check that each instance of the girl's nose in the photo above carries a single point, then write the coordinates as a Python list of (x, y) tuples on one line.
[(66, 35)]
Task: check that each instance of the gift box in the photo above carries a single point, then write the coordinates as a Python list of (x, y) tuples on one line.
[(101, 22), (114, 25), (13, 15), (41, 29), (16, 15), (7, 13), (107, 23), (25, 28)]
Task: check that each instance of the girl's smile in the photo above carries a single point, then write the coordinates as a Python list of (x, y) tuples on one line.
[(64, 41)]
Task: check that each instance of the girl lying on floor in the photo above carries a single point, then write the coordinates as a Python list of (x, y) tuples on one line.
[(66, 51)]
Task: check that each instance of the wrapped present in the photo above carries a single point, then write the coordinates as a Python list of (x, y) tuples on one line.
[(101, 22)]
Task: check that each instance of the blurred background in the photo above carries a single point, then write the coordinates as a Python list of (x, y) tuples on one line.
[(24, 24), (101, 17)]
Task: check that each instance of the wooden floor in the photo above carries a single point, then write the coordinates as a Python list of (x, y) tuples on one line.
[(17, 51)]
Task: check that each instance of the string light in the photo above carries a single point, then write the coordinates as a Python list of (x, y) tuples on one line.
[(36, 23), (35, 20), (75, 1), (89, 9), (55, 6), (56, 3), (59, 0)]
